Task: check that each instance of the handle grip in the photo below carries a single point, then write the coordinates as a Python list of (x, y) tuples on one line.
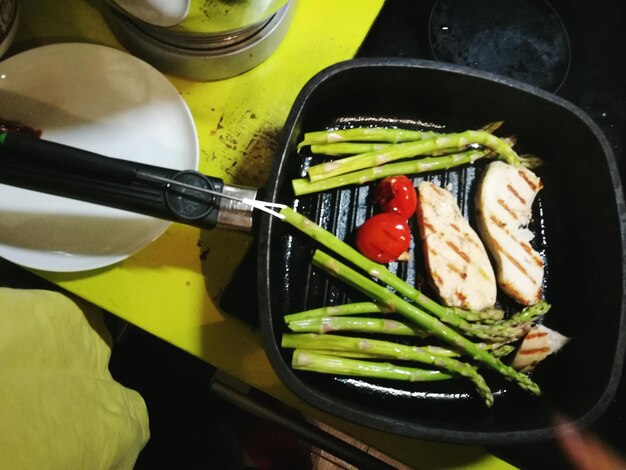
[(70, 157), (58, 169)]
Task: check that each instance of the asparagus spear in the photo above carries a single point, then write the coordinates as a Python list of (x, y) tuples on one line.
[(489, 315), (364, 134), (356, 308), (316, 362), (375, 347), (354, 148), (324, 325), (374, 134), (355, 324), (347, 148), (421, 318), (352, 354), (529, 314), (503, 350), (412, 149), (385, 348), (497, 349), (450, 315), (303, 186)]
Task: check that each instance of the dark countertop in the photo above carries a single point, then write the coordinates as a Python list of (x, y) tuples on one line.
[(595, 81)]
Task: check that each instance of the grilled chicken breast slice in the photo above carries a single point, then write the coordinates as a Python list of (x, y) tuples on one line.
[(457, 262), (538, 344), (503, 210)]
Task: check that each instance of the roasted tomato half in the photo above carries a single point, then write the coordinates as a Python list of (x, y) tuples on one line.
[(384, 237), (395, 194)]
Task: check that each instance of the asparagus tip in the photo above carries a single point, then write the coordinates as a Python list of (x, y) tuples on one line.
[(531, 161), (491, 127)]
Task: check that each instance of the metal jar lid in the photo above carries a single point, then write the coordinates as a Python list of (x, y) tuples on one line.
[(201, 56)]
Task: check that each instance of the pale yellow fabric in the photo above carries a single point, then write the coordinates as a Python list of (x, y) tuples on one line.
[(59, 406)]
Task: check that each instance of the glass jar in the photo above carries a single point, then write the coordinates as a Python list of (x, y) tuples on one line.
[(201, 39)]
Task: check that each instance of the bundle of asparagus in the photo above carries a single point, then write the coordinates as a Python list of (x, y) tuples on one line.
[(370, 150), (320, 346)]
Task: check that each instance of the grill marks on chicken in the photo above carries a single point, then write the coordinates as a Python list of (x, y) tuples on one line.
[(538, 344), (503, 210), (457, 262)]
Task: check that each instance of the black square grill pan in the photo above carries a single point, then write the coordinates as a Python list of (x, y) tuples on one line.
[(578, 223)]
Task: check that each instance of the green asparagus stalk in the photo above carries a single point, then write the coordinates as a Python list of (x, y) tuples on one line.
[(325, 325), (497, 349), (421, 318), (356, 308), (529, 314), (503, 350), (412, 149), (450, 315), (355, 324), (364, 134), (347, 148), (354, 148), (329, 364), (489, 315), (359, 308), (352, 354), (374, 134), (344, 343), (303, 186), (374, 347)]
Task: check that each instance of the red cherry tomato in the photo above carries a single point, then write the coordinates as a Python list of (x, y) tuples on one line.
[(383, 237), (395, 194)]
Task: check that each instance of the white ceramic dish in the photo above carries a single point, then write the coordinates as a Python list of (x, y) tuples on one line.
[(99, 99)]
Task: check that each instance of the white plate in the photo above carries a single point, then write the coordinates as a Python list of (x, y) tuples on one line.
[(99, 99)]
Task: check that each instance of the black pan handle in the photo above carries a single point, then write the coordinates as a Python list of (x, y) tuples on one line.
[(71, 157), (58, 169)]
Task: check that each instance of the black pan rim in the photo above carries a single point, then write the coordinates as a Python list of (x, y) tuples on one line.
[(325, 402)]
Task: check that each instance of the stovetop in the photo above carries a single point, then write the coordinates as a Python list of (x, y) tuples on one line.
[(572, 48), (569, 47)]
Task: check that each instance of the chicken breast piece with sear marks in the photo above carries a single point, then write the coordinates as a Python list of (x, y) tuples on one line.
[(503, 210), (457, 262), (538, 344)]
